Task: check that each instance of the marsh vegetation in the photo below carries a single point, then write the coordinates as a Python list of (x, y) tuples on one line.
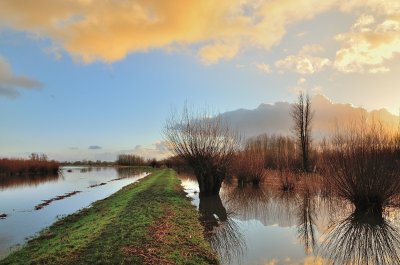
[(35, 165), (340, 194)]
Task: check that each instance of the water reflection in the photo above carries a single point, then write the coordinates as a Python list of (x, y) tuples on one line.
[(128, 172), (265, 225), (221, 230), (19, 197), (306, 218), (19, 181), (7, 182), (249, 202), (363, 238)]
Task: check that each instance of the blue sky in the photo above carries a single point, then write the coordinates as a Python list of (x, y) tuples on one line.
[(75, 74)]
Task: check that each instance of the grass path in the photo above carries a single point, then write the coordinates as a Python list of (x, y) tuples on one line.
[(148, 222)]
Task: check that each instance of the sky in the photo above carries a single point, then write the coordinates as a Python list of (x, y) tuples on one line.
[(86, 79)]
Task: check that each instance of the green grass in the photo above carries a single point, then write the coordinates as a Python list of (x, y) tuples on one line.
[(149, 222)]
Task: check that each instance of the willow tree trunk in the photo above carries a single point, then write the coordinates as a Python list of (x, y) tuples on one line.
[(209, 182)]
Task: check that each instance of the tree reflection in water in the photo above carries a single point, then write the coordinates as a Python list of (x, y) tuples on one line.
[(349, 235), (28, 180), (127, 172), (363, 238), (250, 202), (306, 217), (221, 231)]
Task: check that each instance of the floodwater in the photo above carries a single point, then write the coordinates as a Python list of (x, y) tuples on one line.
[(20, 196), (267, 226)]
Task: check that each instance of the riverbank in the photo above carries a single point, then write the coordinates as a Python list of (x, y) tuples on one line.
[(149, 222)]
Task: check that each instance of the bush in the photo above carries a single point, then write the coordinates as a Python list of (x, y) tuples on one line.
[(33, 166), (362, 165), (248, 167)]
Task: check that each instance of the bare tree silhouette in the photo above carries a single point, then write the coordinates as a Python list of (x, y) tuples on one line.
[(302, 117)]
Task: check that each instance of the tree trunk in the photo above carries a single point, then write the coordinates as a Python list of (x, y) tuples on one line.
[(209, 184)]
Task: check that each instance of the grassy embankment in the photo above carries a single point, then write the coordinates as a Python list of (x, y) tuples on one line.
[(149, 222)]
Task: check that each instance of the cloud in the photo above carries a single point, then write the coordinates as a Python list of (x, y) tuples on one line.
[(368, 45), (266, 68), (54, 51), (158, 150), (110, 30), (215, 30), (94, 147), (305, 62), (213, 53), (272, 262), (301, 81), (10, 84)]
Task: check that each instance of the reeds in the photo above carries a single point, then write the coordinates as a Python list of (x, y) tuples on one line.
[(18, 167)]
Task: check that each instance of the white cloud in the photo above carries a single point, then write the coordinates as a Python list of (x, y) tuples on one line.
[(305, 62), (301, 34), (10, 84), (266, 68), (368, 45), (301, 81), (378, 70), (158, 150)]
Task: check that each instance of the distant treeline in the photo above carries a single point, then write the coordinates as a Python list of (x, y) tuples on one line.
[(97, 163), (122, 160), (135, 160), (35, 165)]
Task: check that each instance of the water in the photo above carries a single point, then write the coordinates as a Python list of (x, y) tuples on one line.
[(19, 196), (266, 226)]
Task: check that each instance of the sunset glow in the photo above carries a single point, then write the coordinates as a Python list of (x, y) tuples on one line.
[(81, 73)]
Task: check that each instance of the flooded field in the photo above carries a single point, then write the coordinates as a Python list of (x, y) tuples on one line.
[(264, 225), (30, 204)]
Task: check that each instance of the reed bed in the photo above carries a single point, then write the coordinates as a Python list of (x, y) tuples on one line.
[(18, 167)]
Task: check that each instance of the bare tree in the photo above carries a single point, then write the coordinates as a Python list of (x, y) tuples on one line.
[(207, 144), (302, 116)]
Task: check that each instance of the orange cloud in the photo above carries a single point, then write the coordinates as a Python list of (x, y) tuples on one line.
[(212, 53), (109, 30)]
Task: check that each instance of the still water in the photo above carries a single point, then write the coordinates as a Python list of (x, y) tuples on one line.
[(20, 196), (266, 226)]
